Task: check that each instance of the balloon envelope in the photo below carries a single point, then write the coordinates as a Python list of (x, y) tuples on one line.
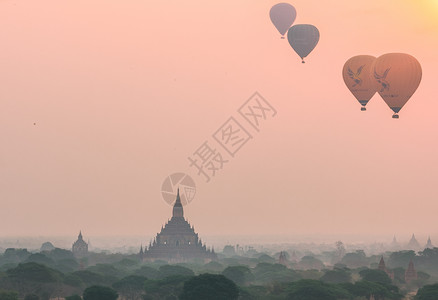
[(397, 77), (357, 74), (303, 38), (282, 16)]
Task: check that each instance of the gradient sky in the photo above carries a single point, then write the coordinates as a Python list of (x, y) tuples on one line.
[(122, 92)]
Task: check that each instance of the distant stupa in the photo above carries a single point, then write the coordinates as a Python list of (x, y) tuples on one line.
[(413, 243), (47, 246), (410, 273), (429, 244), (383, 268), (282, 259), (394, 244), (177, 241), (80, 247), (294, 257)]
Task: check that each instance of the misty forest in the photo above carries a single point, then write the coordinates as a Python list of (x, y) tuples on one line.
[(302, 271)]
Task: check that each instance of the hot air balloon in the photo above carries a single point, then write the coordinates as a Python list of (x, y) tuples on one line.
[(357, 77), (303, 39), (282, 16), (397, 77)]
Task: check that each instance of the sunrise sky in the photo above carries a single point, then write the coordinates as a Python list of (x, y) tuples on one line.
[(123, 92)]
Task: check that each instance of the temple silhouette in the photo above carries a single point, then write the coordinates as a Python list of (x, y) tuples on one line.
[(383, 268), (177, 241), (410, 273), (80, 247)]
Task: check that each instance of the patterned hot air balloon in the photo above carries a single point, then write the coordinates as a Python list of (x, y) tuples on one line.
[(397, 77), (303, 39), (282, 16), (357, 73)]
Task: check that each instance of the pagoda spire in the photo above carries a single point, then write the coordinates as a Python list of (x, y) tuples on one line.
[(429, 243), (178, 211)]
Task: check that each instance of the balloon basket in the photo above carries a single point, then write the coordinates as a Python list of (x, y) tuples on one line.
[(395, 116), (282, 37), (303, 62), (363, 109)]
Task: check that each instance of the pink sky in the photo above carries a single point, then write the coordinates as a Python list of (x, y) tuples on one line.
[(122, 92)]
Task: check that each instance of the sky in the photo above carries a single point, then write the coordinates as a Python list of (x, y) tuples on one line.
[(102, 100)]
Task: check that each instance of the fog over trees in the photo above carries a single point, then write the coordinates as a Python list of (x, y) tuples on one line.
[(336, 271)]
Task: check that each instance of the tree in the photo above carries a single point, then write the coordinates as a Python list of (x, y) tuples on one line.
[(310, 274), (213, 267), (428, 260), (131, 287), (241, 275), (380, 291), (355, 259), (105, 270), (310, 262), (399, 275), (373, 275), (400, 258), (336, 276), (428, 292), (67, 265), (148, 272), (166, 288), (264, 258), (58, 254), (73, 297), (422, 279), (127, 263), (209, 286), (97, 292), (12, 255), (33, 278), (269, 273), (87, 277), (307, 289), (8, 295), (366, 289), (40, 259), (34, 272), (73, 280), (172, 270), (31, 297)]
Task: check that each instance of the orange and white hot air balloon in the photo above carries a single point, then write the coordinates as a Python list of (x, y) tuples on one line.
[(357, 73), (397, 77)]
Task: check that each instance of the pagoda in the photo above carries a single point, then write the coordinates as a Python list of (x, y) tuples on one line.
[(413, 244), (80, 247), (429, 244), (177, 241), (382, 267), (282, 259), (394, 244), (410, 273)]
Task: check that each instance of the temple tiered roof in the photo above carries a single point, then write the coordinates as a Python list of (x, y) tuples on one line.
[(177, 240)]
